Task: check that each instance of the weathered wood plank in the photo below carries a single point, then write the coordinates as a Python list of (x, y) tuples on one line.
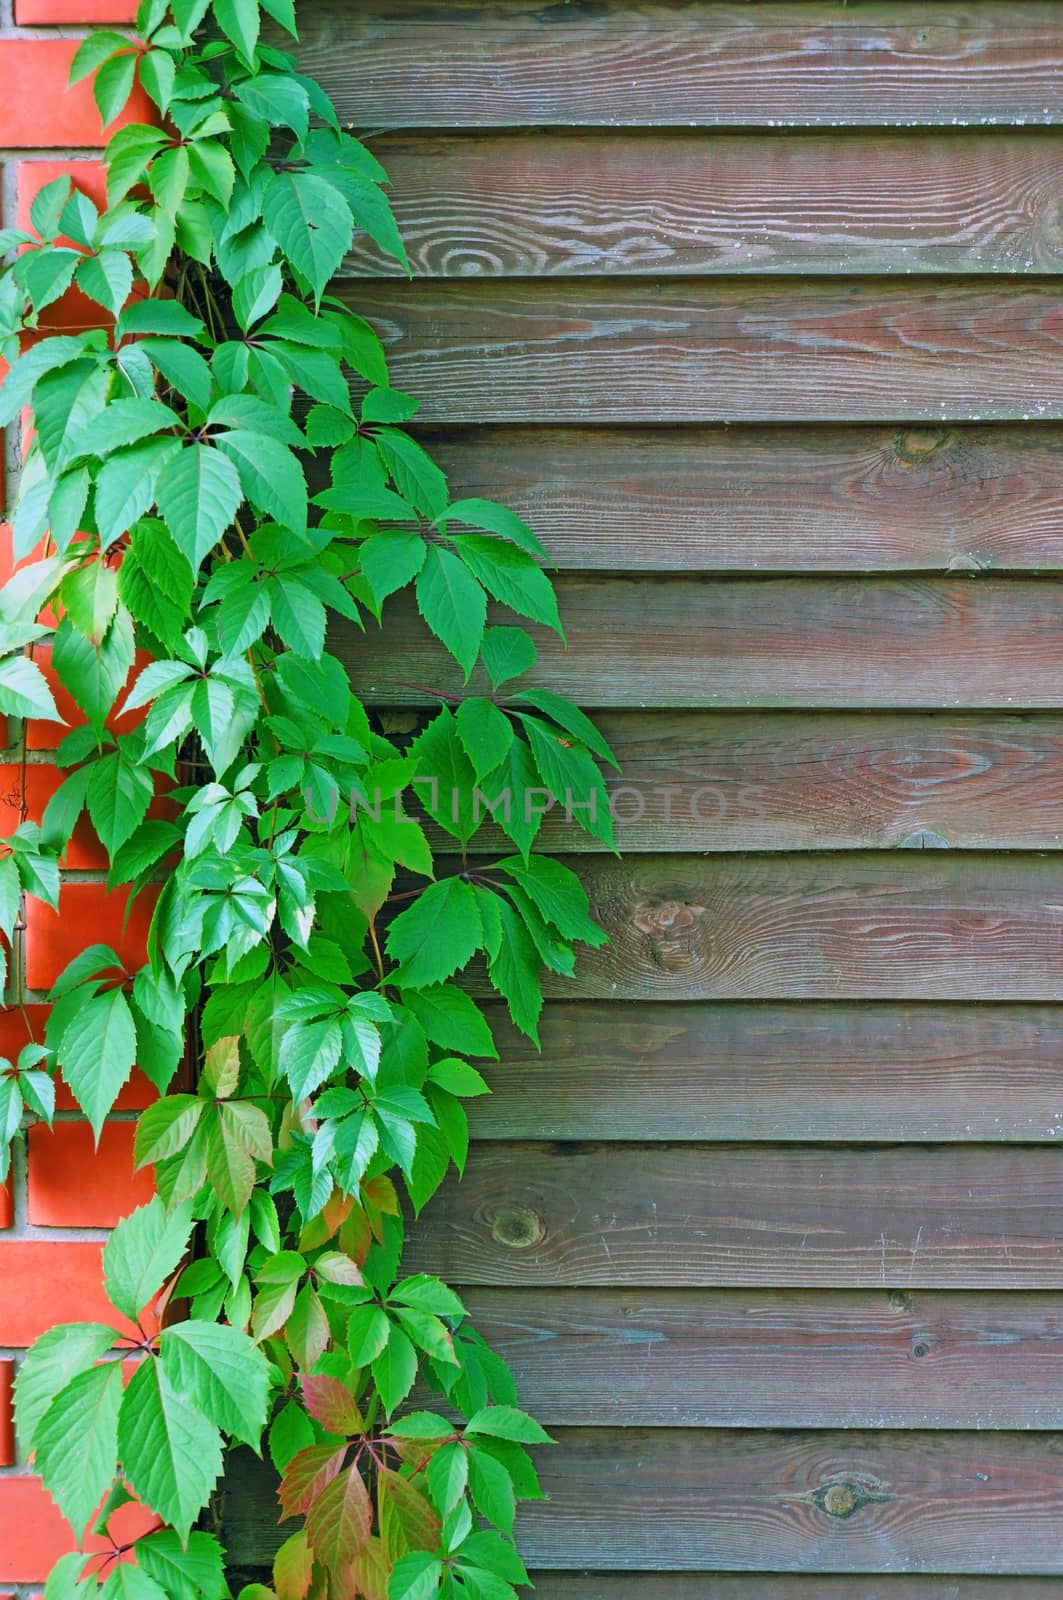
[(563, 204), (806, 781), (782, 499), (709, 350), (733, 1216), (690, 1500), (917, 925), (777, 1359), (773, 1586), (731, 642), (811, 1070), (780, 1586), (467, 63)]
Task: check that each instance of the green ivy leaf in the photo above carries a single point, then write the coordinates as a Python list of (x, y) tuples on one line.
[(97, 1051), (24, 691), (311, 222), (224, 1371), (144, 1250), (437, 935), (107, 278), (76, 1442), (506, 1422), (198, 495), (185, 1572), (416, 1576), (55, 1359), (171, 1454), (453, 604)]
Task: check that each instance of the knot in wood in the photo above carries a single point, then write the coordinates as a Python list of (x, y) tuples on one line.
[(674, 929), (840, 1500), (916, 445), (517, 1227), (845, 1498)]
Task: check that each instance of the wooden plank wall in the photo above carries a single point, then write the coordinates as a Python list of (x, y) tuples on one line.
[(754, 311)]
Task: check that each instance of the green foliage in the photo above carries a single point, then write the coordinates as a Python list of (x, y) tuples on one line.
[(180, 504)]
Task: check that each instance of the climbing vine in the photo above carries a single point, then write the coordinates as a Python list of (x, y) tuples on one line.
[(216, 480)]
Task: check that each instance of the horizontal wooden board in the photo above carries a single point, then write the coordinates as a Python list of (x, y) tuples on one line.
[(713, 781), (915, 925), (779, 1359), (778, 499), (781, 1586), (812, 1070), (563, 204), (733, 1216), (691, 1500), (470, 63), (710, 350), (918, 643)]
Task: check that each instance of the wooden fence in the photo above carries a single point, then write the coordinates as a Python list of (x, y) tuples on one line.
[(753, 311)]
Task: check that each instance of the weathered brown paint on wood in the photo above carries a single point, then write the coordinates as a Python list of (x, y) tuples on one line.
[(731, 1216), (821, 781), (779, 1359), (859, 1502), (661, 63), (712, 350), (811, 1070), (779, 1586), (912, 643), (915, 925), (564, 204), (779, 499)]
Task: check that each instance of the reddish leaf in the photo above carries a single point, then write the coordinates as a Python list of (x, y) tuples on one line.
[(340, 1520), (332, 1404), (381, 1193), (307, 1473), (293, 1567), (407, 1504), (356, 1236)]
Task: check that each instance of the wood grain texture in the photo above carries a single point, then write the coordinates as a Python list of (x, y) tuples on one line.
[(691, 1500), (813, 1070), (927, 643), (811, 781), (781, 1586), (563, 204), (778, 499), (779, 1359), (504, 63), (917, 925), (710, 350), (726, 1216)]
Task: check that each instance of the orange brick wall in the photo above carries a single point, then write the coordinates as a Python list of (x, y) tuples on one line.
[(63, 1195)]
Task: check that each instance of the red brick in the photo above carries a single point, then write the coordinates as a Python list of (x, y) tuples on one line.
[(7, 1209), (84, 852), (43, 12), (33, 1534), (87, 913), (47, 735), (136, 1094), (37, 108), (44, 1282), (7, 1415), (72, 1184), (31, 177)]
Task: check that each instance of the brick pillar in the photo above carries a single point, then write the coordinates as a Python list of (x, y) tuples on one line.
[(63, 1195)]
